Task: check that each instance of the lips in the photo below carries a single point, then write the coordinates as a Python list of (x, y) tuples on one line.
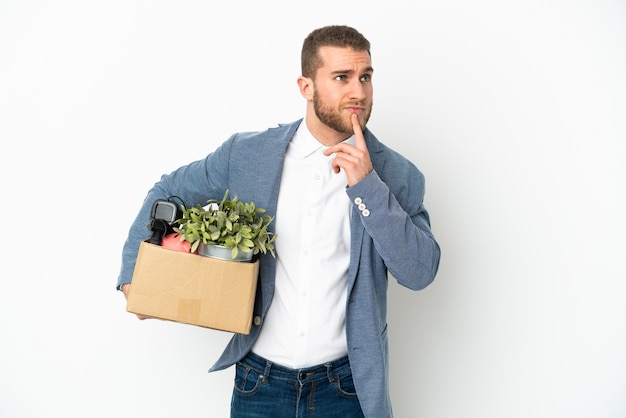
[(355, 110)]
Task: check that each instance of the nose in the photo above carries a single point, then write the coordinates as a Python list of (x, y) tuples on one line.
[(357, 90)]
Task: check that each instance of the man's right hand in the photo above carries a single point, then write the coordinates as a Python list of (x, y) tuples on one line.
[(125, 287)]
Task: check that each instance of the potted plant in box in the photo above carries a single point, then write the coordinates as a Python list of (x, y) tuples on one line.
[(228, 226)]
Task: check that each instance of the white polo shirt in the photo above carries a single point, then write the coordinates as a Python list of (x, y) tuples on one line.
[(305, 324)]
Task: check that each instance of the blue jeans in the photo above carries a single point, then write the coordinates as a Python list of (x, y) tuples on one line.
[(266, 390)]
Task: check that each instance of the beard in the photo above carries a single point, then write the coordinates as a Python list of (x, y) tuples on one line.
[(334, 117)]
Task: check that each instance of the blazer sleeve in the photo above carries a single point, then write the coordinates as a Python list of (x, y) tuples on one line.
[(194, 183), (393, 214)]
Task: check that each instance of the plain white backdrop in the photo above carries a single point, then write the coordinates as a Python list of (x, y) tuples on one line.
[(515, 112)]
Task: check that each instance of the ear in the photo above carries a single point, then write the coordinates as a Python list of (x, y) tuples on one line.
[(306, 86)]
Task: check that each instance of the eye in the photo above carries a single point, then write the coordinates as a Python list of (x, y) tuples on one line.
[(341, 78), (366, 77)]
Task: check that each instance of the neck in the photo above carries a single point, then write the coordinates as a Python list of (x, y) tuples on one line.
[(324, 135)]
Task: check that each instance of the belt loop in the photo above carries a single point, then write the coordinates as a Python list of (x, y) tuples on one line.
[(329, 372), (266, 373)]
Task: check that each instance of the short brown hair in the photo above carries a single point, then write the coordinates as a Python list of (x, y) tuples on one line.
[(334, 35)]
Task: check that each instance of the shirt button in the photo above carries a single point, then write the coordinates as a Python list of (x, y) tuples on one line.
[(257, 320), (358, 200), (362, 206), (366, 212)]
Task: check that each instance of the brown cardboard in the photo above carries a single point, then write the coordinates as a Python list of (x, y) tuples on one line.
[(193, 289)]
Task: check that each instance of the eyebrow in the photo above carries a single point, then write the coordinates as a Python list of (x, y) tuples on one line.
[(367, 70)]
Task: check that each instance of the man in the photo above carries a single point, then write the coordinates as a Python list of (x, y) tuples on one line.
[(348, 210)]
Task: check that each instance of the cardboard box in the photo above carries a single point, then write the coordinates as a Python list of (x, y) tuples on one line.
[(193, 289)]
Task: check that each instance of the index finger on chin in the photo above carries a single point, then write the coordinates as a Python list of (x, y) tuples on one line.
[(358, 132)]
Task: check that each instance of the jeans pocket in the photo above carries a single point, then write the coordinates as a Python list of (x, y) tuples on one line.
[(344, 384), (247, 380)]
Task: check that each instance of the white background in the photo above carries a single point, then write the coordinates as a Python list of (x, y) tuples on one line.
[(514, 111)]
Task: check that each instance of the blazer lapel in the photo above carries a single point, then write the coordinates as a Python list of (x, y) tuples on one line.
[(267, 181)]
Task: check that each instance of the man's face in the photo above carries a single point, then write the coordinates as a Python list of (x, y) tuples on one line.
[(343, 86)]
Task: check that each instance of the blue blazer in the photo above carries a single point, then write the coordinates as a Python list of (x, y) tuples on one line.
[(391, 234)]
